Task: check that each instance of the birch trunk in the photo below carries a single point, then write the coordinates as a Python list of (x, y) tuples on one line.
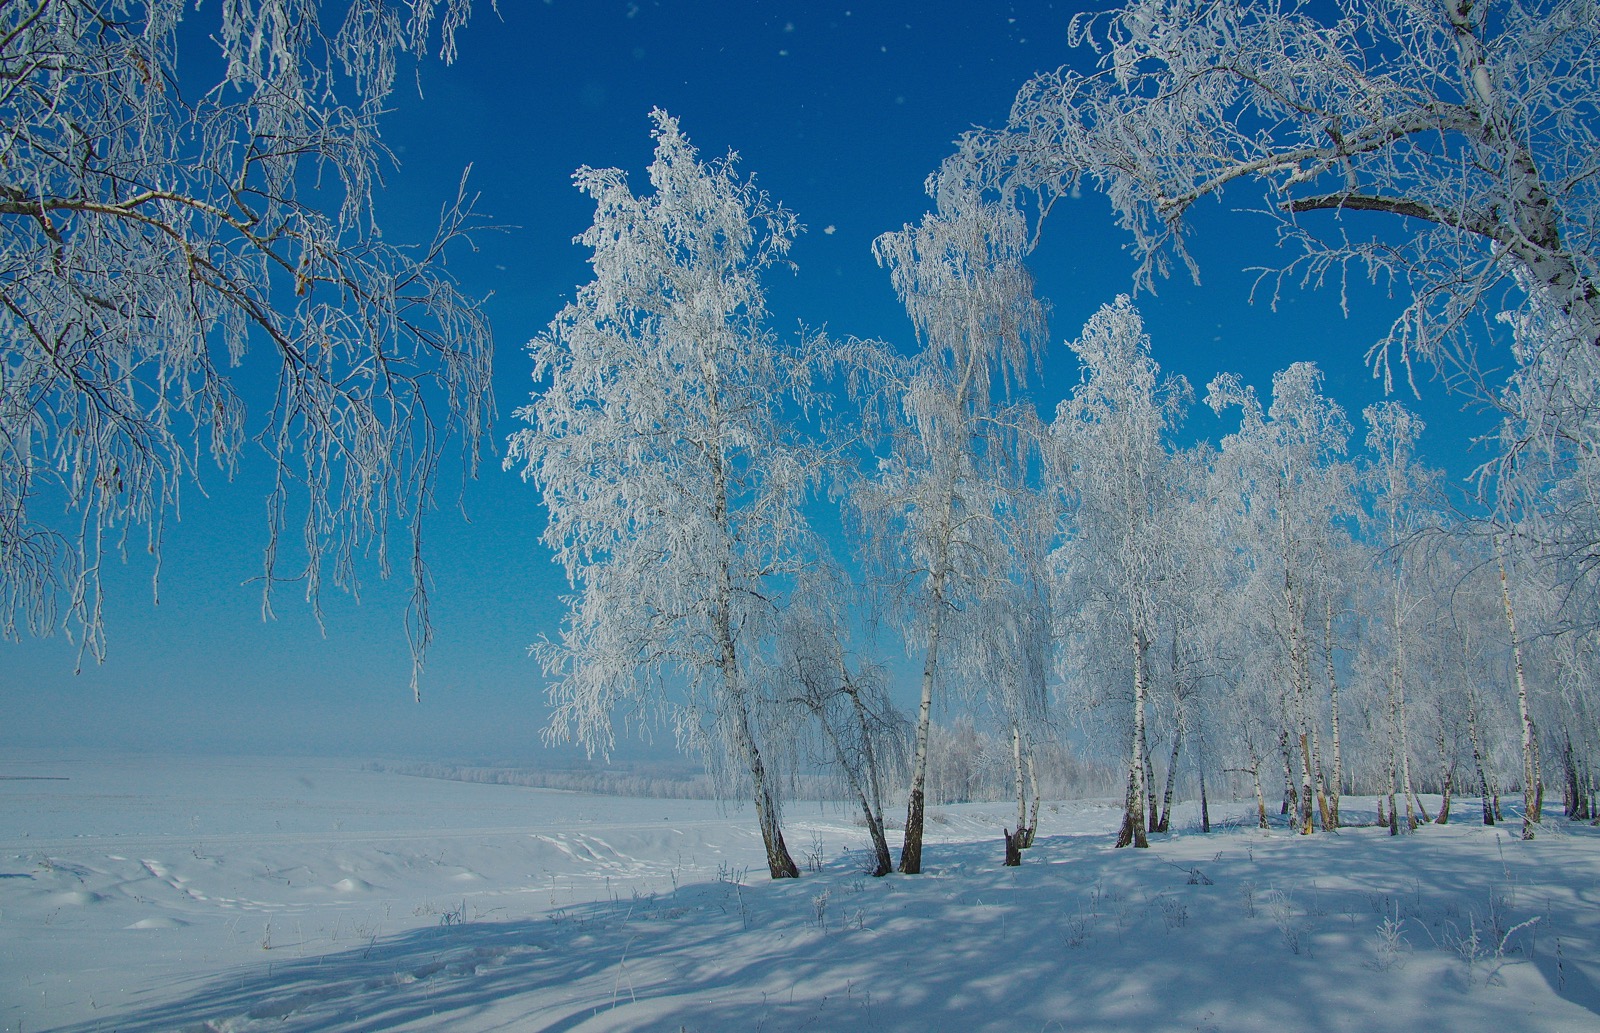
[(1305, 768), (874, 780), (1333, 699), (883, 864), (1172, 773), (1398, 695), (1133, 827), (779, 864), (911, 847), (1291, 795), (1021, 785), (1532, 790), (1589, 782), (1300, 669), (1153, 816), (866, 790), (1261, 799), (1324, 807), (1570, 794), (1477, 757), (1594, 803), (1033, 785), (1393, 773), (1422, 809)]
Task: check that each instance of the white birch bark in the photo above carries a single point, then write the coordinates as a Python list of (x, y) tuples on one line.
[(1133, 826), (1333, 698), (1531, 780)]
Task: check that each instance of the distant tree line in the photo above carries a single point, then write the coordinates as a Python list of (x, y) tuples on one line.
[(966, 765)]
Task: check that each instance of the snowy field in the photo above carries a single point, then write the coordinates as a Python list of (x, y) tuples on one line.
[(144, 895)]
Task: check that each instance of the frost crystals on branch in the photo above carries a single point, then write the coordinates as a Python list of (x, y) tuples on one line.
[(152, 231), (657, 441), (1469, 128)]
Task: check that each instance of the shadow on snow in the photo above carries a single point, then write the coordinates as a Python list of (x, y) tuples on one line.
[(1232, 931)]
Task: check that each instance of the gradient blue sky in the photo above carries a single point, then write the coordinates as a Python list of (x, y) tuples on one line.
[(840, 109)]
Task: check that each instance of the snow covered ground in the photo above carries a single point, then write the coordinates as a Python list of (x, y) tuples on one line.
[(142, 894)]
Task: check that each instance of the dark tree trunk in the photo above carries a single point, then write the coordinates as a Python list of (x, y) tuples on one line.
[(1291, 797), (1172, 773), (1393, 773), (1305, 788), (883, 864), (1572, 795), (1589, 803), (1153, 822), (1013, 848), (1477, 757), (911, 848), (1132, 832)]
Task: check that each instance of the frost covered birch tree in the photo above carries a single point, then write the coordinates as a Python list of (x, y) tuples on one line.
[(1201, 612), (847, 696), (1110, 461), (1021, 643), (1402, 494), (1462, 132), (657, 442), (178, 207), (1002, 654), (931, 506), (1532, 777), (1289, 487), (1548, 473)]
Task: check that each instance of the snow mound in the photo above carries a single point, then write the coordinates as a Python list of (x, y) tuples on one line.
[(75, 898)]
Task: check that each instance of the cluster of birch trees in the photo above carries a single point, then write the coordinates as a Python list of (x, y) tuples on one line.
[(1288, 611)]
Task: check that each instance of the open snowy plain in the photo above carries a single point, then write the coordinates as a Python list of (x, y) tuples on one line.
[(144, 894)]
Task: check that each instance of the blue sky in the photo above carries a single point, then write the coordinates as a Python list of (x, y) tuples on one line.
[(840, 110)]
